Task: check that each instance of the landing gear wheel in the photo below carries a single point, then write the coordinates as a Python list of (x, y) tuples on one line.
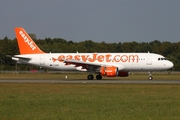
[(98, 77), (90, 77), (150, 77)]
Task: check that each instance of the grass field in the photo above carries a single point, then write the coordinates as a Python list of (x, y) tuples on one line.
[(89, 101), (43, 101)]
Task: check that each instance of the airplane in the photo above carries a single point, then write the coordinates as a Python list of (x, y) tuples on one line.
[(102, 64)]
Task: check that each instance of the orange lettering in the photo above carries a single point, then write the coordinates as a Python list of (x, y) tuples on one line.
[(77, 57), (100, 58), (108, 57), (61, 58), (117, 58), (84, 57), (92, 59), (54, 59), (124, 58), (69, 57), (133, 57)]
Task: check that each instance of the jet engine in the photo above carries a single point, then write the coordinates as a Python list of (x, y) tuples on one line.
[(112, 71), (109, 71)]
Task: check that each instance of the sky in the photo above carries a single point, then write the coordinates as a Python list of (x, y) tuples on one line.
[(96, 20)]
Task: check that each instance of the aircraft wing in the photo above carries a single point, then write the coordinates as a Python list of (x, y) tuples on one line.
[(89, 65), (81, 63)]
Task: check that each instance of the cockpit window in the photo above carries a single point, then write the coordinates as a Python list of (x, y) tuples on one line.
[(161, 59)]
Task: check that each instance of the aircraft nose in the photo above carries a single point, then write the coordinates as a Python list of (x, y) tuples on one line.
[(170, 64)]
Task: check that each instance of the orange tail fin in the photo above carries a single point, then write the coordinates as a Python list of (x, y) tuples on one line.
[(25, 43)]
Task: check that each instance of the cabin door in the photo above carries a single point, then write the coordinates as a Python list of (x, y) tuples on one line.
[(42, 63), (149, 59)]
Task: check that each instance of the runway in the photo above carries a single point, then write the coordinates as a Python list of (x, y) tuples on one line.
[(95, 81)]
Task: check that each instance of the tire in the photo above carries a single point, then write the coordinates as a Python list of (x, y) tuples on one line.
[(98, 77), (150, 78), (90, 77)]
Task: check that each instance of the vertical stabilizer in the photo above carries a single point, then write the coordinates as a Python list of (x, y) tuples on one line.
[(25, 43)]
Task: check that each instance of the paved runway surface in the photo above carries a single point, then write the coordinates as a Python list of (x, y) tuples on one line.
[(96, 81)]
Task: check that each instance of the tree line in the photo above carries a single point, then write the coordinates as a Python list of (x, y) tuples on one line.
[(59, 45)]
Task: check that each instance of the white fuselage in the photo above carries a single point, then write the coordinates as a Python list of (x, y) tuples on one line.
[(124, 61)]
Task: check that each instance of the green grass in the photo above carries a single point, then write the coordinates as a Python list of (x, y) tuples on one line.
[(83, 76), (41, 101)]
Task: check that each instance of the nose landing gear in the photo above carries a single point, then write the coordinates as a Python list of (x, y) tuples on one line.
[(150, 76)]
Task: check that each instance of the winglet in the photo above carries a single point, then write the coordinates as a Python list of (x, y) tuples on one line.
[(25, 43)]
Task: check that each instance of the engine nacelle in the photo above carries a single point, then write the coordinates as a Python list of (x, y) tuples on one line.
[(123, 73), (109, 71)]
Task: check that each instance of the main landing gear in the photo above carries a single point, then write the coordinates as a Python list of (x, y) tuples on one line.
[(91, 77)]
